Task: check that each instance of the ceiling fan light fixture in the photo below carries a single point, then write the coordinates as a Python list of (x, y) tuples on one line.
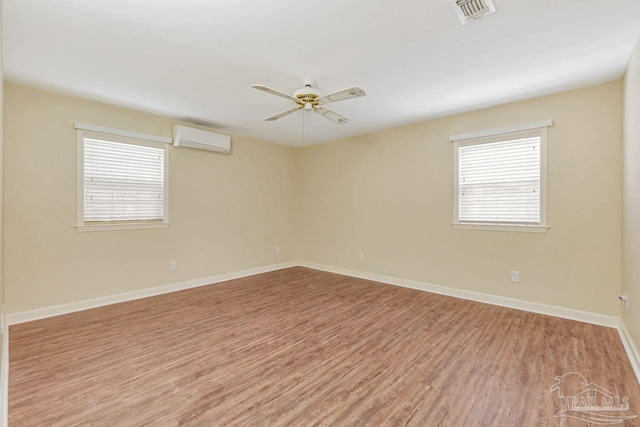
[(311, 99)]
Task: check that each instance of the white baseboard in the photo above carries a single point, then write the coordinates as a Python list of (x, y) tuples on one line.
[(583, 316), (565, 313), (41, 313), (631, 348)]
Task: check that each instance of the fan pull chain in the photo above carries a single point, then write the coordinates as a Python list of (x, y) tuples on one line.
[(303, 114)]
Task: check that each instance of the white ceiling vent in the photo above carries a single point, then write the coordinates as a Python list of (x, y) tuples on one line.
[(468, 10)]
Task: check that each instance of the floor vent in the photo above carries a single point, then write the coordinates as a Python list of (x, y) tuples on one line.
[(468, 10)]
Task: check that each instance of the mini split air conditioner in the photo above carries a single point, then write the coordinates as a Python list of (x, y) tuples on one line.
[(187, 137)]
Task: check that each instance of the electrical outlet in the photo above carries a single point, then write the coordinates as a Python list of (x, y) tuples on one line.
[(361, 256), (173, 265), (515, 276), (277, 250)]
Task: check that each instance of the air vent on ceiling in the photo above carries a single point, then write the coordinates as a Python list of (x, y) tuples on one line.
[(468, 10)]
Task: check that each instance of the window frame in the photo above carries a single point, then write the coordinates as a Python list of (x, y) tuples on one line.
[(494, 135), (123, 137)]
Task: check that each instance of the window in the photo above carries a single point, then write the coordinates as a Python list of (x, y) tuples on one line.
[(500, 179), (122, 180)]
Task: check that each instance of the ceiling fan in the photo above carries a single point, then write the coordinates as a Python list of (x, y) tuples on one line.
[(311, 99)]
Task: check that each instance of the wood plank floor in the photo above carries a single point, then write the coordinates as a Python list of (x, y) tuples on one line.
[(303, 347)]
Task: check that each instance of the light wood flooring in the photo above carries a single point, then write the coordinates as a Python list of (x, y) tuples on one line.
[(303, 347)]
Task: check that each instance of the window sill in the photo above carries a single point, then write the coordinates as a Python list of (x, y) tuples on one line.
[(124, 226), (503, 227)]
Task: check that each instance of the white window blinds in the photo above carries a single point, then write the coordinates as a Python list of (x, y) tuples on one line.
[(123, 181), (499, 182)]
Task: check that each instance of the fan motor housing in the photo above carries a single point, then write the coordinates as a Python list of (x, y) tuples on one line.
[(308, 96)]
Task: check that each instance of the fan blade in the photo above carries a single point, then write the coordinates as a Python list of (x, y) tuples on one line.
[(281, 115), (341, 95), (332, 115), (274, 92)]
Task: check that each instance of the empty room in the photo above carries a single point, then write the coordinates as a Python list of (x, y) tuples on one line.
[(305, 213)]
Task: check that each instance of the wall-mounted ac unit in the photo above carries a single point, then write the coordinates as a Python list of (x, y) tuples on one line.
[(187, 137)]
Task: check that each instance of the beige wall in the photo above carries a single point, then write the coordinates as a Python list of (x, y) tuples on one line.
[(631, 196), (227, 211), (389, 195)]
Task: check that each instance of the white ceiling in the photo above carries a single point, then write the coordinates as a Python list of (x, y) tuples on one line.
[(196, 59)]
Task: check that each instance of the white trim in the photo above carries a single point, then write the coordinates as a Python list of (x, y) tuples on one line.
[(125, 133), (456, 184), (631, 349), (41, 313), (81, 226), (123, 226), (502, 227), (79, 177), (543, 226), (4, 384), (566, 313), (167, 187), (534, 307), (500, 131), (543, 176)]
